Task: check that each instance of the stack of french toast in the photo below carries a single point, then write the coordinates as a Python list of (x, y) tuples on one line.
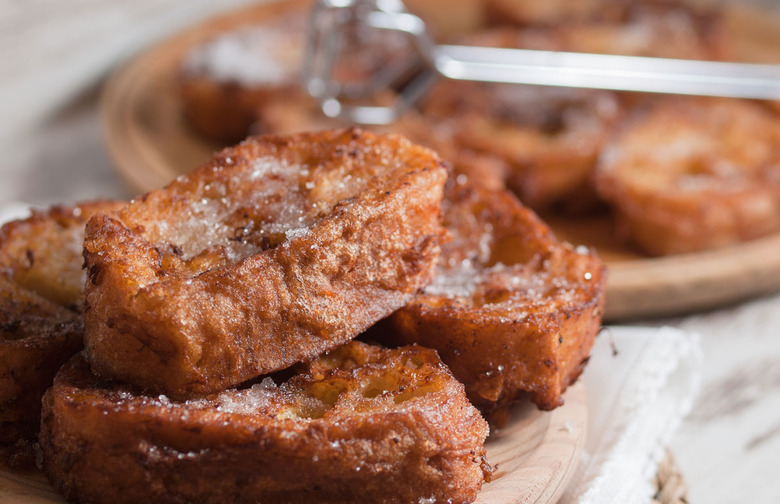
[(673, 174), (342, 315), (319, 317)]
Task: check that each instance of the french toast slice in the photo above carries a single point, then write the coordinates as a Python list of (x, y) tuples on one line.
[(226, 83), (43, 252), (225, 80), (36, 338), (689, 174), (512, 311), (41, 283), (359, 424), (550, 138), (273, 252)]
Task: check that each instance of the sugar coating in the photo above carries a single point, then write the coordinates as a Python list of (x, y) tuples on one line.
[(269, 53), (335, 385), (250, 401), (469, 276), (282, 202)]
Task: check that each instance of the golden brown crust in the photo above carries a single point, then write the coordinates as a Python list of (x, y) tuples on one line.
[(275, 251), (40, 322), (36, 338), (512, 310), (692, 174), (360, 424)]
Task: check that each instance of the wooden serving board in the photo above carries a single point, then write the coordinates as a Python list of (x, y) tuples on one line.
[(639, 286), (536, 455), (151, 144)]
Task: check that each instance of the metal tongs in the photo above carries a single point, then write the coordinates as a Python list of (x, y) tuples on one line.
[(326, 41)]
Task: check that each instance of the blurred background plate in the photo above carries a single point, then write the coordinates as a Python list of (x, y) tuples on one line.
[(151, 144)]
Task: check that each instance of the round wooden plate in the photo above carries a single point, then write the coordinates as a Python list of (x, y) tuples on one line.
[(535, 456), (151, 145)]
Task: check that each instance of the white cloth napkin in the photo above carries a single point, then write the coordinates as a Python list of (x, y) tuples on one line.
[(640, 382)]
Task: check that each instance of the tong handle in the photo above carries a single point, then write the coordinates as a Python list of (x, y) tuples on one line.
[(490, 64), (606, 71)]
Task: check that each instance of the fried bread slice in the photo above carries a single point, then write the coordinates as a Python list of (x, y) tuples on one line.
[(225, 80), (360, 424), (41, 282), (36, 338), (512, 311), (225, 83), (43, 253), (273, 252), (550, 138), (689, 174)]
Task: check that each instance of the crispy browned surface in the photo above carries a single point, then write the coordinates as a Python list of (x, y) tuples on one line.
[(275, 251), (692, 174), (40, 323), (360, 424), (512, 310), (483, 168), (36, 337)]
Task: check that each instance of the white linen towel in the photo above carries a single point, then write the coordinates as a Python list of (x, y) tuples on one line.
[(641, 382)]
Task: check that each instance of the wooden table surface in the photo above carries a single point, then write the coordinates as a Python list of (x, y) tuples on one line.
[(53, 59)]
